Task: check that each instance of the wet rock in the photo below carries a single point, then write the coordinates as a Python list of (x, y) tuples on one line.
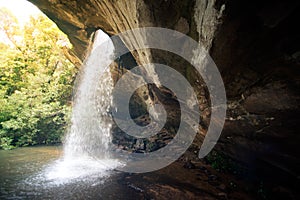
[(222, 187), (202, 168), (189, 165), (136, 188), (140, 144), (222, 195), (212, 177)]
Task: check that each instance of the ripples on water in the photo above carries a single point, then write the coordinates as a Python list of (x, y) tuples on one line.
[(40, 173)]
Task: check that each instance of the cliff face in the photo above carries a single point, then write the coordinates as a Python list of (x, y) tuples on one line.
[(255, 45)]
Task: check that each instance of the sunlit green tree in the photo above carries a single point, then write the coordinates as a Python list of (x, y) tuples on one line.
[(36, 81)]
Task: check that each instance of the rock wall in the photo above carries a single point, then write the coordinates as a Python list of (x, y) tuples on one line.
[(254, 43), (257, 51)]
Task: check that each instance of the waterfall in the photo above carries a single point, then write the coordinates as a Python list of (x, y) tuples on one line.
[(86, 148), (90, 123)]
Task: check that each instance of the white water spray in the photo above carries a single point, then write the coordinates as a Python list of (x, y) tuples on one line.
[(90, 129), (86, 150)]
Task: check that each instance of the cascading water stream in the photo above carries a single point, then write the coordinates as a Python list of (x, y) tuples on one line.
[(90, 129), (86, 149)]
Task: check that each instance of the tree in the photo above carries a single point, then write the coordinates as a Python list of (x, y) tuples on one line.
[(36, 81)]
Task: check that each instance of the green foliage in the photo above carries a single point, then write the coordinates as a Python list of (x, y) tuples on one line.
[(36, 82), (223, 163)]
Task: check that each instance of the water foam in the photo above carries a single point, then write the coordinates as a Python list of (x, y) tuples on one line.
[(86, 149)]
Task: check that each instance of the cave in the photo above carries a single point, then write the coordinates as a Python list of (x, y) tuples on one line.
[(255, 45)]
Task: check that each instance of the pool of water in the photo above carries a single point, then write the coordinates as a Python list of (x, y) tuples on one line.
[(40, 173)]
